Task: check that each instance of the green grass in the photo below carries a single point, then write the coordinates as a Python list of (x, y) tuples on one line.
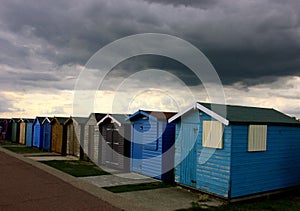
[(22, 149), (5, 142), (137, 187), (280, 202), (76, 168)]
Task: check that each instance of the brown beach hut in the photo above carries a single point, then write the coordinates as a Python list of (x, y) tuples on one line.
[(57, 141)]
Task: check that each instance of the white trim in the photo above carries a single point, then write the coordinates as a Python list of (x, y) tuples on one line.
[(111, 117), (212, 114), (194, 106), (201, 108), (46, 118)]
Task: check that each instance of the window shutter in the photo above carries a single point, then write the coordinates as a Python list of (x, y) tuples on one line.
[(212, 134), (257, 138)]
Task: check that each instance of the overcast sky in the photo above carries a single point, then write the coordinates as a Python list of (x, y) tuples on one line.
[(254, 46)]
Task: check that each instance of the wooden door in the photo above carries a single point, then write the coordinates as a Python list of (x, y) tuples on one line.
[(113, 147), (137, 147), (91, 142), (189, 154)]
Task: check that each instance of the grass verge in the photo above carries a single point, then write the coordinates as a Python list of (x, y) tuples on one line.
[(289, 201), (23, 150), (76, 168), (5, 142), (137, 187)]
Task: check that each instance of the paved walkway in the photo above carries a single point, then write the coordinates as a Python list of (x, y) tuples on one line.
[(24, 187), (28, 185), (118, 179), (167, 199)]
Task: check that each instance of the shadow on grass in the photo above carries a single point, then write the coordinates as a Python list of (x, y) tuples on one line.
[(22, 149), (76, 168), (137, 187), (5, 142)]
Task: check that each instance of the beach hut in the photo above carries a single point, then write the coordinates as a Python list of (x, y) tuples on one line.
[(22, 134), (58, 143), (29, 132), (15, 133), (47, 133), (4, 123), (38, 132), (115, 141), (245, 151), (152, 140), (75, 136), (8, 131), (92, 137)]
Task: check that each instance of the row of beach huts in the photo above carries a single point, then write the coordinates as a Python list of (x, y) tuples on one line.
[(246, 152)]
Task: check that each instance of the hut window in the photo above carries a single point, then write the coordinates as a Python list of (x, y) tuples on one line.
[(212, 135), (257, 138)]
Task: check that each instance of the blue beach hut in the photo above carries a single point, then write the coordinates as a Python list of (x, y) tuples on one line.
[(152, 139), (29, 132), (241, 152), (47, 133), (38, 133)]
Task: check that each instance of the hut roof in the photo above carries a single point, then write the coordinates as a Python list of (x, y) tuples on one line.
[(156, 115), (60, 120), (240, 114), (117, 118), (39, 119), (79, 120)]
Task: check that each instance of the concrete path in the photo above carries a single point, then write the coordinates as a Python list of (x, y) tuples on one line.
[(29, 185), (118, 179), (163, 199)]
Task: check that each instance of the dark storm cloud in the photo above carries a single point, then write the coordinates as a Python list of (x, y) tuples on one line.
[(191, 3), (144, 62), (246, 41)]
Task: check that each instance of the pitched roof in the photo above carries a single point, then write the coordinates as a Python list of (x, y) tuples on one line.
[(61, 120), (49, 119), (118, 118), (80, 120), (243, 114), (40, 119), (26, 120), (99, 116), (158, 115)]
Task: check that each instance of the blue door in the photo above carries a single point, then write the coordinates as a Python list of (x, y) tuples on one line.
[(29, 134), (36, 135), (47, 137), (189, 149), (137, 147)]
